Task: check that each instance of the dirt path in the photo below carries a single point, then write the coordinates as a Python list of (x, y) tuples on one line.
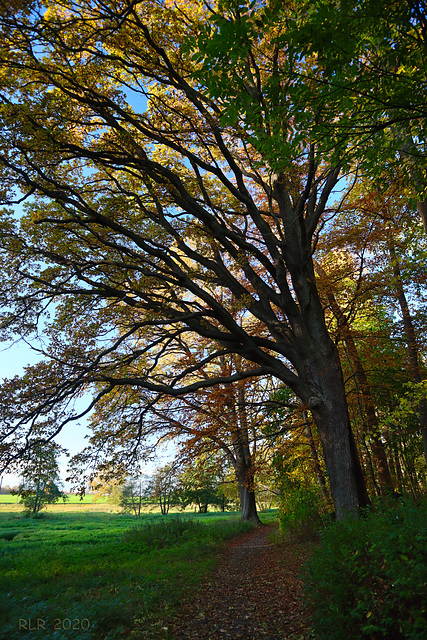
[(254, 594)]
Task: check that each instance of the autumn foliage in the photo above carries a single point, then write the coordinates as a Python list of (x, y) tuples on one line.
[(213, 222)]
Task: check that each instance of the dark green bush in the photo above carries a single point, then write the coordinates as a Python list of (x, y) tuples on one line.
[(368, 577)]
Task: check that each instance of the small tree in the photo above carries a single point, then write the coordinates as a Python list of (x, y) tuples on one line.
[(40, 478), (199, 484), (105, 487), (134, 494), (163, 487)]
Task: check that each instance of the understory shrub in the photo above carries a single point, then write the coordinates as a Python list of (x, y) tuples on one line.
[(302, 513), (368, 577)]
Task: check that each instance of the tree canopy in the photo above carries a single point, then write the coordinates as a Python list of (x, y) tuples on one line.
[(178, 166)]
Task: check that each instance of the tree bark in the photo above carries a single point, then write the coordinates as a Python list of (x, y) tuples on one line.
[(399, 473), (242, 458), (422, 210), (248, 504)]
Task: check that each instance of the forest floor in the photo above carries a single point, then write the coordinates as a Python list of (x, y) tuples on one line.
[(255, 593)]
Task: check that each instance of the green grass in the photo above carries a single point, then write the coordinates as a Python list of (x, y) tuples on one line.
[(7, 498), (87, 499), (72, 499), (120, 576)]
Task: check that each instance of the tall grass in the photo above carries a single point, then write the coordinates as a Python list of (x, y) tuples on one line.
[(177, 530)]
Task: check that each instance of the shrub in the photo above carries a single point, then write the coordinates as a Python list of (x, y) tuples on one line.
[(166, 533), (303, 513), (368, 578)]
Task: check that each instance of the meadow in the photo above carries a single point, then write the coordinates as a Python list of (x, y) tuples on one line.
[(97, 575), (7, 498)]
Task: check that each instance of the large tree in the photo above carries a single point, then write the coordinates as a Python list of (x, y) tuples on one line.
[(144, 200)]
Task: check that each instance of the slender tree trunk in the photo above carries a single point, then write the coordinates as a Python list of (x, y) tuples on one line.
[(399, 474), (413, 351), (242, 459), (36, 501), (413, 482), (164, 505), (316, 462)]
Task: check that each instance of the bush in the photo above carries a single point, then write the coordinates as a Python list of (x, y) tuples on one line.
[(368, 578), (178, 530), (303, 513), (166, 533)]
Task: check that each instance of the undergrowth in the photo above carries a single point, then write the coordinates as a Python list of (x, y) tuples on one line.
[(368, 577), (303, 513), (181, 530)]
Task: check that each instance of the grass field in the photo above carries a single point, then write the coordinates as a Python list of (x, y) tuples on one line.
[(93, 575), (71, 499)]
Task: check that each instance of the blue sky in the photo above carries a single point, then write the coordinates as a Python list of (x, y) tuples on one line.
[(12, 362)]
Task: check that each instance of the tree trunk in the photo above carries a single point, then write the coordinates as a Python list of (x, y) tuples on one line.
[(248, 504), (316, 462), (330, 412), (39, 492), (413, 351), (422, 210), (242, 460), (399, 473), (164, 505)]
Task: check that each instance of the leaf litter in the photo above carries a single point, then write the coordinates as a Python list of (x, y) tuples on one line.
[(255, 593)]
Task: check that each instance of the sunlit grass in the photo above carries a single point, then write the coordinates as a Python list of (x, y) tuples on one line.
[(8, 498), (103, 569)]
